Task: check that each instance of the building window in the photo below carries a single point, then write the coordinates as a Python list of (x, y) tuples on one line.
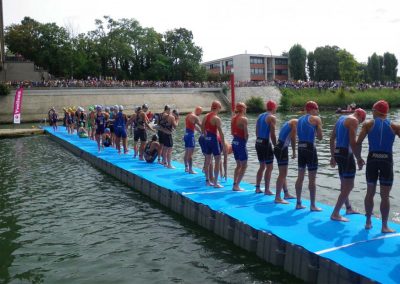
[(281, 72), (256, 60), (281, 61), (257, 71)]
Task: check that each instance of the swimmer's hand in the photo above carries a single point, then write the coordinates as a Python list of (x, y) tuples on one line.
[(333, 162), (360, 163)]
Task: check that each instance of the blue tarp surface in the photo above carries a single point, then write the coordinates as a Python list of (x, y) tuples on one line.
[(369, 253)]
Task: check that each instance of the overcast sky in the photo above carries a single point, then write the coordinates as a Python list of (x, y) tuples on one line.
[(227, 27)]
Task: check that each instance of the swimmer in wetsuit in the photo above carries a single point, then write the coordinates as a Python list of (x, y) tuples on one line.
[(120, 127), (240, 136), (309, 126), (343, 145), (381, 133), (211, 128), (152, 150), (266, 138), (101, 119), (192, 122), (287, 135)]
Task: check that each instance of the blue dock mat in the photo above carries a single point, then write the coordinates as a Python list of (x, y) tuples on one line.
[(369, 253)]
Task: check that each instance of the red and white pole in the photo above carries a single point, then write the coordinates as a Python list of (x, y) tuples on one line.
[(232, 91)]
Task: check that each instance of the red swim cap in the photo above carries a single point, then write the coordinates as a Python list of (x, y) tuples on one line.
[(381, 107), (215, 105), (310, 105), (271, 105), (240, 107), (361, 113)]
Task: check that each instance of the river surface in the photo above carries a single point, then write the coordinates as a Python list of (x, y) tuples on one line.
[(63, 221)]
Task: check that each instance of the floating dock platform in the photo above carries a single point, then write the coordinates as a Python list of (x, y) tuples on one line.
[(306, 244)]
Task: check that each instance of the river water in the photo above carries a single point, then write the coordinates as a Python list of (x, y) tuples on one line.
[(63, 221)]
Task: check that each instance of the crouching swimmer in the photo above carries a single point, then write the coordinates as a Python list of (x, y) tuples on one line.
[(107, 138), (152, 150)]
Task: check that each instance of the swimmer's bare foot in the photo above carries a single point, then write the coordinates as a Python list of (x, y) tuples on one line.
[(258, 190), (368, 225), (281, 201), (386, 229), (268, 192), (170, 167), (186, 169), (299, 206), (237, 188), (339, 218), (208, 183), (288, 196), (315, 208), (351, 211), (217, 185), (192, 172)]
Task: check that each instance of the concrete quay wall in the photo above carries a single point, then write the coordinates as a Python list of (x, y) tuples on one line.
[(36, 102)]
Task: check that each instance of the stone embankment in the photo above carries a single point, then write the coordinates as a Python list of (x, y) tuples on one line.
[(36, 102)]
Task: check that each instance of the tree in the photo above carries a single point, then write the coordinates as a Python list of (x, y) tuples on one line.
[(326, 63), (389, 67), (347, 67), (297, 62), (374, 68), (311, 65)]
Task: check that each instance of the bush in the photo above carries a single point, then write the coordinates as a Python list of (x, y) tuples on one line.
[(4, 90), (255, 105)]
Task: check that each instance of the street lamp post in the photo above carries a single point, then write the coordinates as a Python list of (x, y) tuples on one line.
[(272, 65)]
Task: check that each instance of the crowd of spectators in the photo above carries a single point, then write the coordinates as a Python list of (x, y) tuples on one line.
[(97, 83)]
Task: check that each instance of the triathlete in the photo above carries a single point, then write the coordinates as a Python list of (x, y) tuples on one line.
[(120, 127), (343, 145), (107, 138), (152, 150), (381, 134), (266, 138), (309, 126), (132, 124), (240, 136), (211, 127), (101, 119), (168, 123), (53, 118), (91, 122), (193, 123), (142, 123), (287, 135)]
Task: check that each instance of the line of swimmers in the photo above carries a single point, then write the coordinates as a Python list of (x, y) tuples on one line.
[(345, 148)]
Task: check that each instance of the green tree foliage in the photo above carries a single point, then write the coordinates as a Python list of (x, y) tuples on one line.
[(255, 105), (118, 48), (327, 63), (374, 67), (297, 62), (389, 67), (348, 67), (311, 65)]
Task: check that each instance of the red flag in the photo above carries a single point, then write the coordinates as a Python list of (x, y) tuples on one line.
[(17, 105)]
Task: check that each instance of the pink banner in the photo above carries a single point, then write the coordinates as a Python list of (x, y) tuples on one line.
[(17, 105)]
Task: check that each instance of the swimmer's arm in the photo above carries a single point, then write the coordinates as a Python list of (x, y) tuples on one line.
[(197, 124), (146, 121), (246, 132), (203, 123), (218, 124), (353, 124), (319, 128), (361, 137), (396, 129), (293, 135), (272, 123), (332, 142)]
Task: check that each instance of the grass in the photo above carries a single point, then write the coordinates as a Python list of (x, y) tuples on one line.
[(332, 99)]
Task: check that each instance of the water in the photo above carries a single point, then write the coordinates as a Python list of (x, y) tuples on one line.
[(63, 221)]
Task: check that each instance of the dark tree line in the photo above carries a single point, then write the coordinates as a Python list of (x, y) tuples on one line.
[(332, 63), (121, 49)]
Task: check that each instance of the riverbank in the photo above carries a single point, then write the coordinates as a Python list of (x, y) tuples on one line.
[(293, 99)]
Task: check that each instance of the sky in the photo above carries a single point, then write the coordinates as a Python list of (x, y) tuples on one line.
[(224, 28)]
